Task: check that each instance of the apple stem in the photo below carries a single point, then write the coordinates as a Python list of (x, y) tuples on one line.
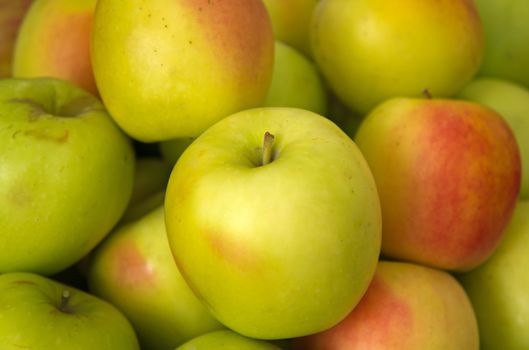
[(65, 298), (426, 93), (268, 141)]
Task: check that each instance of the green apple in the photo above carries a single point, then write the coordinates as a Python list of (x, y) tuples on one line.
[(226, 340), (171, 150), (291, 22), (11, 15), (66, 171), (506, 26), (372, 50), (498, 288), (41, 314), (54, 41), (168, 69), (511, 100), (448, 175), (134, 270), (407, 306), (273, 219), (296, 82)]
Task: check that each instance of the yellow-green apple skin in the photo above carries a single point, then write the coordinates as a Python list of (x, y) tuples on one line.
[(407, 307), (134, 270), (296, 82), (373, 50), (226, 340), (11, 15), (498, 288), (291, 21), (170, 69), (506, 28), (275, 249), (40, 313), (66, 171), (172, 149), (511, 100), (54, 41), (448, 176)]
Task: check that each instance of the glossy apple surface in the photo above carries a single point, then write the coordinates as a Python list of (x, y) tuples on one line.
[(170, 69), (448, 175), (226, 340), (67, 174), (39, 313), (11, 15), (279, 239)]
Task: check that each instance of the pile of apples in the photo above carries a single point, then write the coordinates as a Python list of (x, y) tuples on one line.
[(264, 174)]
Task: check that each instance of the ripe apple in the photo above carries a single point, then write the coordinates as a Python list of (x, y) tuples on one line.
[(66, 171), (511, 100), (408, 307), (448, 175), (39, 313), (296, 82), (134, 270), (172, 149), (372, 50), (169, 69), (226, 340), (498, 288), (54, 41), (279, 235), (11, 15), (506, 27)]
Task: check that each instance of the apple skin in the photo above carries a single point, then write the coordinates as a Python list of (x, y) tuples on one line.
[(11, 15), (170, 69), (171, 150), (32, 317), (226, 340), (134, 270), (66, 172), (448, 176), (498, 288), (277, 250), (506, 27), (296, 82), (511, 100), (58, 33), (407, 307), (373, 50)]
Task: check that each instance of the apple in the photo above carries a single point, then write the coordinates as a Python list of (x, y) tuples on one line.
[(291, 22), (172, 149), (373, 50), (39, 313), (67, 174), (448, 176), (226, 340), (274, 221), (134, 270), (169, 69), (511, 100), (296, 82), (498, 288), (11, 15), (54, 41), (408, 307), (506, 27)]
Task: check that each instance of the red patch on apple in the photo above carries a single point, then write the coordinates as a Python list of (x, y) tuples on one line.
[(231, 251), (131, 267)]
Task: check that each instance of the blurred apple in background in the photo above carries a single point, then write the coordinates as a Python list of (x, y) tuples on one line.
[(134, 270), (506, 27), (406, 307), (12, 13), (226, 340), (66, 171), (39, 313), (170, 69), (171, 150), (273, 219), (54, 41), (499, 288), (372, 50), (296, 82), (448, 175), (511, 100)]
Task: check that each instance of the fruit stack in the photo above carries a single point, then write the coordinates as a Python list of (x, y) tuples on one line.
[(264, 174)]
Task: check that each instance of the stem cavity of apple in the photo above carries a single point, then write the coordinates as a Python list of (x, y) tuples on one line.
[(65, 298), (427, 94), (268, 142)]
